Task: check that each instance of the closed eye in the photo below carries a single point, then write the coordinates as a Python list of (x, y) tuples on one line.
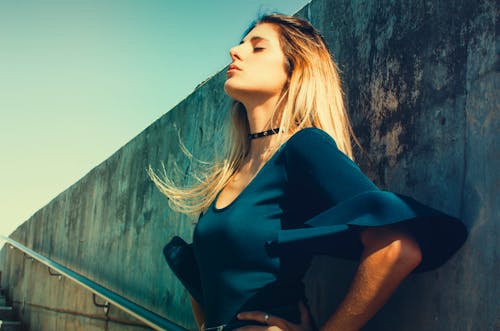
[(258, 49)]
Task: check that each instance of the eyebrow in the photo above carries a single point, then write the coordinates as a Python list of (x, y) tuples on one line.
[(255, 38)]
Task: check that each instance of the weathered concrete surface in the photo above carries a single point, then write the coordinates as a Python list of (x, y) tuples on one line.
[(422, 86), (421, 82), (113, 223)]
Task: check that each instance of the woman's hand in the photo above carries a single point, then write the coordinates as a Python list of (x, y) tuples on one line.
[(275, 323)]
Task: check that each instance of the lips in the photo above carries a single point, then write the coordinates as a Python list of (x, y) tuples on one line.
[(233, 67)]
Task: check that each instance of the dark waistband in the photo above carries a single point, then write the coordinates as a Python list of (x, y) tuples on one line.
[(290, 313), (215, 328), (241, 323), (277, 300), (233, 325)]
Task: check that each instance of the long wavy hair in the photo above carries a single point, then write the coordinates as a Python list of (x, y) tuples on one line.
[(312, 97)]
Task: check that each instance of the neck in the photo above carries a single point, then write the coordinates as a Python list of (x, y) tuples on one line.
[(259, 115)]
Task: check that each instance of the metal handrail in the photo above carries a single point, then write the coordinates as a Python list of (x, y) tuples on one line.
[(146, 316)]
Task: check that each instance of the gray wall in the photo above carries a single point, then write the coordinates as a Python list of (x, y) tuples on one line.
[(421, 84)]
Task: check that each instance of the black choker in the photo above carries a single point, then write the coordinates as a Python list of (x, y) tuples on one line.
[(263, 133)]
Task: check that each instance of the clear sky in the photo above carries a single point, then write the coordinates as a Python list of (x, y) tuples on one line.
[(79, 79)]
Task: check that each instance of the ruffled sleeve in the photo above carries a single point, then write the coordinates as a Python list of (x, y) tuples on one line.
[(321, 172), (180, 257)]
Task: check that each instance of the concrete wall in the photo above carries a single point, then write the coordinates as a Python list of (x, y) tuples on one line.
[(113, 223), (421, 82)]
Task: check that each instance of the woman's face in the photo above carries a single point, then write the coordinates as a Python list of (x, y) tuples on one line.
[(258, 69)]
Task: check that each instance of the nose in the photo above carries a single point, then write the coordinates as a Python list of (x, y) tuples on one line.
[(234, 53)]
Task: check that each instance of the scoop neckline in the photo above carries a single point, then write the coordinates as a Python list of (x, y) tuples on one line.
[(246, 188)]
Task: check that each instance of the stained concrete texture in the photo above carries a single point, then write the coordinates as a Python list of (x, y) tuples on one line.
[(421, 82)]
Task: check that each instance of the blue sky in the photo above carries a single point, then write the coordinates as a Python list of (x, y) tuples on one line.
[(78, 79)]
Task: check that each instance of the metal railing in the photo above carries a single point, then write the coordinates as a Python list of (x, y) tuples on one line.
[(146, 316)]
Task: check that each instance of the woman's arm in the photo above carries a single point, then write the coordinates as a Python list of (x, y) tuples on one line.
[(198, 313), (389, 255)]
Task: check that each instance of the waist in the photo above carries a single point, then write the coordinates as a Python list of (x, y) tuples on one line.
[(233, 325), (277, 299), (292, 312), (215, 328), (289, 312)]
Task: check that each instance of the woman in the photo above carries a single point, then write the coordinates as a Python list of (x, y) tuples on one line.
[(288, 190)]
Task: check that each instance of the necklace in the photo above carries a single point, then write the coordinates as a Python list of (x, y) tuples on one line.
[(263, 133)]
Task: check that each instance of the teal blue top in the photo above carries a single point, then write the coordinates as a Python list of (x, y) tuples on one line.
[(308, 199)]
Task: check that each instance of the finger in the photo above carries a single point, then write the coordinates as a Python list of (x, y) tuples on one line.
[(252, 315), (305, 318), (260, 316), (251, 328)]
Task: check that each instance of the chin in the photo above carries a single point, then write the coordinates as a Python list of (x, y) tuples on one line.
[(232, 91)]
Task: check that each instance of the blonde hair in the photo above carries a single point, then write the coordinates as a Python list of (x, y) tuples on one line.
[(312, 97)]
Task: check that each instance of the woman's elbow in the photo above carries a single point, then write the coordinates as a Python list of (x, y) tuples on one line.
[(406, 252), (399, 248)]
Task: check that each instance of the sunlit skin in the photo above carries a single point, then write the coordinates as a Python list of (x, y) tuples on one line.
[(257, 74), (256, 78)]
